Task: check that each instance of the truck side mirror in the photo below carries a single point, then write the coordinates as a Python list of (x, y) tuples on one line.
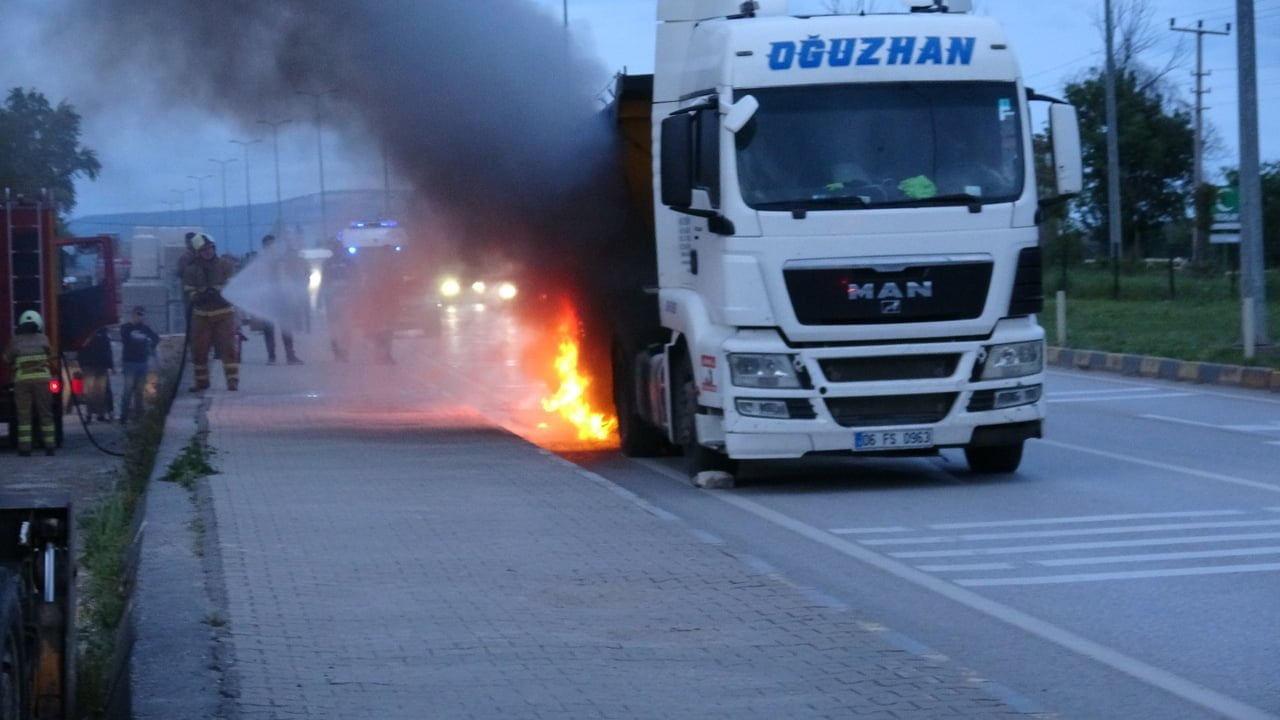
[(740, 113), (1068, 171), (677, 161)]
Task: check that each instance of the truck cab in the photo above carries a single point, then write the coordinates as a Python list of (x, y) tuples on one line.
[(845, 224)]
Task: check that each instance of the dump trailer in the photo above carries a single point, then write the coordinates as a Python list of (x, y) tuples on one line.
[(844, 216)]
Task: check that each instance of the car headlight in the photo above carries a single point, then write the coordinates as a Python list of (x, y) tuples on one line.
[(1013, 360), (763, 371), (507, 291), (450, 287)]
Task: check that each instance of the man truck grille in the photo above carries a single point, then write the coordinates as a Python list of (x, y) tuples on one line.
[(870, 296), (876, 369), (891, 409)]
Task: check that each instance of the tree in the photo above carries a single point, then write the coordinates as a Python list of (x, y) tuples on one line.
[(1156, 156), (40, 148)]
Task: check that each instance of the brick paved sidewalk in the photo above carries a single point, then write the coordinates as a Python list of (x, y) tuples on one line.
[(384, 561)]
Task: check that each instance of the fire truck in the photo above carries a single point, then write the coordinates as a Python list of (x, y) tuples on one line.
[(844, 218), (71, 283)]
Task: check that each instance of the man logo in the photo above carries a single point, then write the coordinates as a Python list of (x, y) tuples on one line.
[(890, 291), (890, 307)]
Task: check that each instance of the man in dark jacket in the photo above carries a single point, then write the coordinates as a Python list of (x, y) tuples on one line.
[(97, 363), (138, 343)]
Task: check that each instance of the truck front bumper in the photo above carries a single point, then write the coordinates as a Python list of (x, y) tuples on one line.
[(936, 388)]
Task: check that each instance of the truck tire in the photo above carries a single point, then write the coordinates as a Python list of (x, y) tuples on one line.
[(697, 457), (636, 436), (995, 459), (14, 673)]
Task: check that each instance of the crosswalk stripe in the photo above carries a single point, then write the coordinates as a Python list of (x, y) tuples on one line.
[(1156, 557), (1074, 532), (1128, 575), (1084, 519), (1100, 545)]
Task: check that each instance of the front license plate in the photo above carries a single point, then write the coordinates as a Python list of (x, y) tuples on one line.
[(873, 440)]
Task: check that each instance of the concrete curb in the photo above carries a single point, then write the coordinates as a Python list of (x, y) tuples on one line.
[(1249, 378), (173, 667)]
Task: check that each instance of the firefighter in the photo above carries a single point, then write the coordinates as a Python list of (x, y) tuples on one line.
[(29, 353), (212, 317), (338, 280)]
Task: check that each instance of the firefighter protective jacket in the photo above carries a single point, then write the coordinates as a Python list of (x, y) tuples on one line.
[(204, 280), (29, 354)]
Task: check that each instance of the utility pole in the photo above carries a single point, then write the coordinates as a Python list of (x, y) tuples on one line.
[(386, 182), (222, 165), (1253, 286), (200, 196), (324, 214), (182, 202), (248, 198), (1197, 242), (1113, 156), (566, 14), (275, 143)]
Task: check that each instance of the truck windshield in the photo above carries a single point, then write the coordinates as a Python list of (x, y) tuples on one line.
[(841, 147)]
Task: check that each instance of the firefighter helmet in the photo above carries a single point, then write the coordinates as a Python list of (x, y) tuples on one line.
[(199, 240), (33, 317)]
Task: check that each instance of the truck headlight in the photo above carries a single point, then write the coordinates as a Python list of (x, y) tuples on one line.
[(450, 287), (1013, 360), (763, 371)]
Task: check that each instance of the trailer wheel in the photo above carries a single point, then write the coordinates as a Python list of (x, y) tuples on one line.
[(697, 457), (996, 459), (13, 667)]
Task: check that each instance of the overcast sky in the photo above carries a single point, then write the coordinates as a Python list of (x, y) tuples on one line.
[(148, 152)]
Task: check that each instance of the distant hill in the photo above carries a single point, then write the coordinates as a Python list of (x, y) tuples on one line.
[(341, 208)]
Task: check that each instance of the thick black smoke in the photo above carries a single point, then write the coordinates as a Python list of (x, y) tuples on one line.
[(485, 106)]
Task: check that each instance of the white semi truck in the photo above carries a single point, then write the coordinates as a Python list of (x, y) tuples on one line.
[(845, 214)]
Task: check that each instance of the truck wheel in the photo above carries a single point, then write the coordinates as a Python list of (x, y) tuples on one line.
[(13, 667), (997, 459), (637, 437), (697, 456)]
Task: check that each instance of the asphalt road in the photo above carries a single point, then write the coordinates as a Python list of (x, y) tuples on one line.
[(1131, 568)]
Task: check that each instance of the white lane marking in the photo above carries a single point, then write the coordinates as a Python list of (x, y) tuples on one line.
[(860, 531), (1128, 575), (1243, 394), (1098, 392), (1156, 557), (1269, 427), (1020, 549), (965, 568), (1074, 532), (1084, 519), (1111, 398), (1150, 674), (1165, 466)]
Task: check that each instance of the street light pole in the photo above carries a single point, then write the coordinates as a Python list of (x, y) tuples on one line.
[(324, 215), (248, 199), (200, 197), (275, 144), (1253, 281), (182, 202), (222, 167), (1113, 157)]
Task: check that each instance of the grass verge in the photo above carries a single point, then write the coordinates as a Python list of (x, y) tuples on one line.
[(1201, 324)]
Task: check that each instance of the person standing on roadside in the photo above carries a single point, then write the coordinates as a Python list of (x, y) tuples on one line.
[(212, 317), (30, 355), (281, 271), (138, 347), (97, 363)]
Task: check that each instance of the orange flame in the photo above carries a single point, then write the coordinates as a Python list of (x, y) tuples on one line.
[(570, 399)]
